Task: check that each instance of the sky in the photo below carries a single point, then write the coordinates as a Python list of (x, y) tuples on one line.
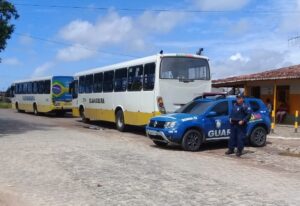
[(55, 37)]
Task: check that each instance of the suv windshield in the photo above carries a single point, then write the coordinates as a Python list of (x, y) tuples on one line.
[(194, 107), (184, 68)]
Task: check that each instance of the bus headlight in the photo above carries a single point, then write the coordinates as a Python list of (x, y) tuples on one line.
[(170, 124)]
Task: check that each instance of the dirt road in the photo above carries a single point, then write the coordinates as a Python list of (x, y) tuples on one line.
[(61, 161)]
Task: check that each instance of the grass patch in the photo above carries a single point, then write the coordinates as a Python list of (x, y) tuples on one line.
[(5, 105)]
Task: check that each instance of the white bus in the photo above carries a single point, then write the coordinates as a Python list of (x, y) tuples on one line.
[(132, 92), (42, 95)]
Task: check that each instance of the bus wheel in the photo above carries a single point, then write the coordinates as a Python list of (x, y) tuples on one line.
[(60, 113), (17, 107), (83, 118), (35, 111), (192, 140), (120, 124)]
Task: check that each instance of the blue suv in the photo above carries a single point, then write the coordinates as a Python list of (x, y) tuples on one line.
[(207, 119)]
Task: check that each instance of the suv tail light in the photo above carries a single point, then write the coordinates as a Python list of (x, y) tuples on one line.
[(161, 106)]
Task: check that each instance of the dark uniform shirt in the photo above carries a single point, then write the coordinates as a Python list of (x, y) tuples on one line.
[(240, 112)]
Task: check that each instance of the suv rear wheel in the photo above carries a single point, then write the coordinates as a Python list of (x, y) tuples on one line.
[(258, 137), (192, 140)]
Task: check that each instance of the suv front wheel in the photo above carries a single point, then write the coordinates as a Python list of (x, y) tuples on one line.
[(192, 140), (258, 137)]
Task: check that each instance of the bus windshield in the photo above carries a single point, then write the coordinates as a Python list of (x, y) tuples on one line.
[(184, 68), (60, 88), (195, 107)]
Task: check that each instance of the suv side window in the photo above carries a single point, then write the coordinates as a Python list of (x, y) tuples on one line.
[(254, 106), (221, 108)]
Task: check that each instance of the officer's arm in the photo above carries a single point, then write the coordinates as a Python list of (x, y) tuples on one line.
[(248, 113)]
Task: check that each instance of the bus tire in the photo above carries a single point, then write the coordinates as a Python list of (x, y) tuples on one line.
[(17, 107), (192, 140), (35, 110), (60, 113), (258, 137), (120, 123), (82, 115)]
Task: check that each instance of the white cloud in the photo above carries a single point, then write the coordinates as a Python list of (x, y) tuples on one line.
[(11, 61), (115, 31), (214, 5), (42, 69), (239, 57), (74, 53)]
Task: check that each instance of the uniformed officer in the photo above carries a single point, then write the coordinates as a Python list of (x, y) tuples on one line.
[(239, 117)]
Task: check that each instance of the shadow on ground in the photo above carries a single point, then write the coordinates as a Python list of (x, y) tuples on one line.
[(15, 126), (109, 125)]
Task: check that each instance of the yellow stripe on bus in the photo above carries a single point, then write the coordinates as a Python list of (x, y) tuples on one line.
[(131, 118)]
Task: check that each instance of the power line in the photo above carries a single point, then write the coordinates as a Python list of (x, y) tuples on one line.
[(156, 10), (68, 44)]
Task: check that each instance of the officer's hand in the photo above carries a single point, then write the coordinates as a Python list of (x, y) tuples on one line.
[(241, 122)]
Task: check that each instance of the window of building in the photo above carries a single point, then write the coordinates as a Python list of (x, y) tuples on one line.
[(98, 81), (121, 80), (108, 81), (149, 76), (135, 78)]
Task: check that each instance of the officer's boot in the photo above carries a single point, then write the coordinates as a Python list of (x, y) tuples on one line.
[(229, 151), (239, 153)]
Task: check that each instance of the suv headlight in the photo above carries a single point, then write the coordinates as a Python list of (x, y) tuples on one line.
[(170, 124)]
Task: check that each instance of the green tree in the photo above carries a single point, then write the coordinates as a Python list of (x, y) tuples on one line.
[(8, 13)]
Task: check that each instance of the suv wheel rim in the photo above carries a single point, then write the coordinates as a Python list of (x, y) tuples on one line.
[(259, 136), (193, 140)]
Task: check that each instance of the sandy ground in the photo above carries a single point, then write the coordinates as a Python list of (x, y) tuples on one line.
[(47, 160)]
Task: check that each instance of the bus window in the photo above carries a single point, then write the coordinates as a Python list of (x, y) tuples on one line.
[(35, 88), (135, 80), (41, 87), (25, 88), (81, 84), (98, 80), (149, 76), (108, 82), (88, 86), (121, 80), (29, 87), (16, 88), (183, 68), (47, 87)]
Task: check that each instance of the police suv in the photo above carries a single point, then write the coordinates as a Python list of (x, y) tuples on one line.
[(207, 119)]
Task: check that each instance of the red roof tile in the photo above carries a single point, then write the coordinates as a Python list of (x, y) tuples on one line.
[(291, 72)]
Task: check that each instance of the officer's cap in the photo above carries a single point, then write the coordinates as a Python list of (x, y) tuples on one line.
[(240, 95)]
